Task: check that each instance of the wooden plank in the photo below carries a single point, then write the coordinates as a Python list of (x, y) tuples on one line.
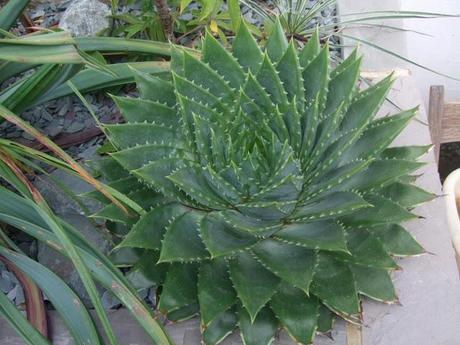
[(435, 115), (354, 334), (451, 123)]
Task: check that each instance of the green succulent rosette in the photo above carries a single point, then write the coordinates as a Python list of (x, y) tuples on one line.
[(272, 197)]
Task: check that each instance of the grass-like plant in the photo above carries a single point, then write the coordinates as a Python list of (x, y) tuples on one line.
[(275, 198)]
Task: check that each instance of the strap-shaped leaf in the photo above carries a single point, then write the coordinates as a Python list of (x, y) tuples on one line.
[(63, 298), (130, 135), (406, 195), (156, 174), (290, 74), (260, 332), (222, 61), (109, 168), (215, 290), (366, 249), (333, 283), (182, 240), (350, 60), (179, 289), (155, 89), (268, 78), (139, 110), (123, 185), (255, 92), (267, 210), (256, 226), (378, 135), (335, 179), (374, 283), (315, 77), (330, 206), (293, 264), (287, 189), (223, 239), (201, 74), (192, 181), (254, 284), (139, 156), (325, 235), (225, 189), (143, 197), (277, 42), (246, 50), (148, 231), (405, 152), (297, 312), (311, 50), (220, 328), (195, 92), (384, 211), (396, 240), (341, 90), (365, 105), (381, 173)]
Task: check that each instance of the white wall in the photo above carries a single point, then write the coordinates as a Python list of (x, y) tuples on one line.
[(442, 51)]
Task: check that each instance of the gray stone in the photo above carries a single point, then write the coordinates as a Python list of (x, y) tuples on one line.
[(85, 18), (54, 128), (27, 136), (75, 127)]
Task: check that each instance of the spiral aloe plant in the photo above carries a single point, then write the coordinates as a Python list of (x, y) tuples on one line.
[(274, 200)]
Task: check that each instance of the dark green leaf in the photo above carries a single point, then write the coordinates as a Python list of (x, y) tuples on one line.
[(222, 238), (215, 290), (293, 264), (297, 312), (148, 231), (179, 289), (260, 332), (325, 235), (253, 283), (396, 240), (182, 240), (333, 283), (374, 283)]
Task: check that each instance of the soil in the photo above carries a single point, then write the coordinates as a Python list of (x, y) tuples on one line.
[(449, 159)]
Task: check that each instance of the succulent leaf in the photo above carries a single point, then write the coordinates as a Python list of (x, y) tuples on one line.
[(272, 196)]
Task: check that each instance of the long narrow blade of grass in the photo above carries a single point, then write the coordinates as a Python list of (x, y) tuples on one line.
[(35, 305), (20, 50), (46, 215), (23, 154), (100, 266), (66, 302), (10, 13), (15, 318), (399, 56), (90, 80), (45, 78), (61, 49), (10, 69)]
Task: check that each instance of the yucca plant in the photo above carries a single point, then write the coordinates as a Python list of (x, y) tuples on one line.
[(275, 200)]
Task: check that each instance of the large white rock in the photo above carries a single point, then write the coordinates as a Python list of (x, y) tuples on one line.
[(85, 18)]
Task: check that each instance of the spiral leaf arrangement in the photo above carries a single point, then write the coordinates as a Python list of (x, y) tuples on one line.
[(273, 199)]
